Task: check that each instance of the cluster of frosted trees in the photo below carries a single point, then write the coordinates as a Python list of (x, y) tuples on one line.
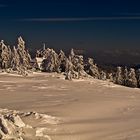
[(16, 59), (127, 77), (72, 66)]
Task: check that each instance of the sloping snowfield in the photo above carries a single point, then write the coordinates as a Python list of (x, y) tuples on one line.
[(87, 109)]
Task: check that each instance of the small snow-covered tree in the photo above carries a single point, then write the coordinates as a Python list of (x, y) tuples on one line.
[(119, 76), (126, 76), (132, 81), (69, 70), (28, 56), (75, 66), (24, 56), (4, 56), (110, 77), (9, 56), (103, 75), (93, 69), (80, 67), (15, 62), (72, 54), (50, 61), (62, 61)]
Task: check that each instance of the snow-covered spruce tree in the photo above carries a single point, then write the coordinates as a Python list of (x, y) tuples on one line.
[(110, 77), (16, 64), (15, 61), (80, 68), (119, 76), (46, 65), (71, 63), (69, 70), (62, 61), (23, 54), (103, 75), (132, 81), (76, 68), (10, 56), (72, 55), (28, 58), (40, 56), (92, 69), (126, 77), (50, 62), (5, 55)]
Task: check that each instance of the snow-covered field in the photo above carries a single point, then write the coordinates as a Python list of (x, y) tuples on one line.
[(73, 110)]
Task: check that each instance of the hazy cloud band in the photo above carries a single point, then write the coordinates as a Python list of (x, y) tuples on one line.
[(2, 5), (80, 19)]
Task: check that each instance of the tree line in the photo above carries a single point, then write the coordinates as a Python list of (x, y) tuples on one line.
[(18, 60)]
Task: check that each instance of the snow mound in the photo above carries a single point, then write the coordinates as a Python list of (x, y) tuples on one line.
[(12, 125)]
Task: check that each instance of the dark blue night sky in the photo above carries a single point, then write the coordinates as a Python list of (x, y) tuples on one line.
[(90, 25)]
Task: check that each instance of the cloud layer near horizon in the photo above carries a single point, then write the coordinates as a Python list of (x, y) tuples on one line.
[(81, 19), (3, 5)]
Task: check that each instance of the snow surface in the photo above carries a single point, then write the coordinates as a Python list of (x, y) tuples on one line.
[(85, 109)]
